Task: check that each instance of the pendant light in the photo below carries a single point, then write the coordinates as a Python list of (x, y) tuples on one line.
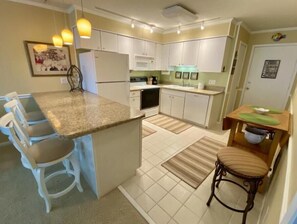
[(57, 39), (67, 35), (84, 27)]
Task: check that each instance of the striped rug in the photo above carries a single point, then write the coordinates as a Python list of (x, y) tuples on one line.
[(168, 123), (146, 131), (196, 162)]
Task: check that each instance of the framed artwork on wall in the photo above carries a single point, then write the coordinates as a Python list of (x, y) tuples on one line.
[(194, 75), (178, 75), (47, 60), (186, 75)]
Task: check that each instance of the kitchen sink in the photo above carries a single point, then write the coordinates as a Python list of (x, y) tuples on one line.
[(179, 87)]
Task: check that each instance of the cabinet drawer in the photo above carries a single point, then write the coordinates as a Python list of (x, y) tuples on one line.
[(174, 92), (134, 93)]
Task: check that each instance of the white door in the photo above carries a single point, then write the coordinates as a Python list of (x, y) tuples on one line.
[(234, 86), (267, 84)]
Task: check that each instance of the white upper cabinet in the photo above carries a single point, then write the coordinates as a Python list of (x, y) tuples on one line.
[(145, 48), (93, 43), (190, 52), (175, 54), (109, 42), (165, 57), (212, 55), (125, 46), (158, 58), (183, 53)]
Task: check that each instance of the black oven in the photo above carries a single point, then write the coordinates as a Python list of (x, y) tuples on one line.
[(149, 98)]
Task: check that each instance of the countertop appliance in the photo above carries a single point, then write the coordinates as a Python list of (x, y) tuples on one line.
[(155, 80), (106, 74)]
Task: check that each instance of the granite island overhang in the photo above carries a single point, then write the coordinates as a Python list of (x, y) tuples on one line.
[(107, 135)]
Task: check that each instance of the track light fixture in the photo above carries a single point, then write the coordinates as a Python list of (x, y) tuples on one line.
[(202, 25), (132, 24), (178, 30)]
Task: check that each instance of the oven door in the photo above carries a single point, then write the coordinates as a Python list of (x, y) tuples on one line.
[(149, 98)]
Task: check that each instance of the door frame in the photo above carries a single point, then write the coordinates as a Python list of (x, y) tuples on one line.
[(239, 72), (249, 67)]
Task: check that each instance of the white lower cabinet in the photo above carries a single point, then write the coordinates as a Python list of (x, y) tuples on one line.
[(196, 107), (172, 103), (135, 99)]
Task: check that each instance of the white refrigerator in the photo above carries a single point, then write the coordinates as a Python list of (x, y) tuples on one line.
[(106, 74)]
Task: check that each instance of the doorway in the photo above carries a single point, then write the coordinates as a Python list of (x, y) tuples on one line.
[(270, 76)]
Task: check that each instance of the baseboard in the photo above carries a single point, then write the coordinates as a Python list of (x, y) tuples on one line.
[(135, 205)]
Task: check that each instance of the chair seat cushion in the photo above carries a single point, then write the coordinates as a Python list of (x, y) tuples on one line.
[(50, 150), (34, 116), (41, 129), (242, 162)]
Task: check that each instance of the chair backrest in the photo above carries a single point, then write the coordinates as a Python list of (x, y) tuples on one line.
[(14, 96), (12, 106), (10, 127)]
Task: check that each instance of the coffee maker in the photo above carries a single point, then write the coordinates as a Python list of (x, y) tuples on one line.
[(154, 80)]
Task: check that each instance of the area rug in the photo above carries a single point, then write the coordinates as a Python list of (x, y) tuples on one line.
[(146, 131), (195, 163), (168, 123)]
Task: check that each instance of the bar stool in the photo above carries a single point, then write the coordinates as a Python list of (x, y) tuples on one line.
[(37, 132), (42, 155), (244, 165), (33, 117)]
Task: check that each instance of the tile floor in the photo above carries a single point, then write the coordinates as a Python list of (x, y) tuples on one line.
[(164, 198)]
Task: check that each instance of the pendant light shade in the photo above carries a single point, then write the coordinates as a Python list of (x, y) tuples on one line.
[(84, 28), (58, 41), (67, 36)]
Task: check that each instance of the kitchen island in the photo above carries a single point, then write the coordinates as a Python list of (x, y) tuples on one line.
[(107, 135)]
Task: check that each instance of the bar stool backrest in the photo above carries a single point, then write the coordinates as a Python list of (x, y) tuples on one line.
[(10, 127), (12, 106), (14, 96)]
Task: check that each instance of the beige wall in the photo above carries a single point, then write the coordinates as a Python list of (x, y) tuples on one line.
[(24, 22)]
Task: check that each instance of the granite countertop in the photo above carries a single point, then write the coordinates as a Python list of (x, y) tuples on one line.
[(74, 114), (179, 88)]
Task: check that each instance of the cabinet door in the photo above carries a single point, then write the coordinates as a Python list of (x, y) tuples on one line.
[(165, 104), (175, 54), (211, 54), (138, 47), (125, 46), (158, 58), (135, 102), (150, 49), (165, 57), (177, 106), (190, 52), (109, 41), (196, 106), (93, 43)]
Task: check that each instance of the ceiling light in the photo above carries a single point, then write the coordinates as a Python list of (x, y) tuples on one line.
[(67, 36), (202, 25), (84, 27), (132, 24), (180, 13), (58, 41), (178, 30)]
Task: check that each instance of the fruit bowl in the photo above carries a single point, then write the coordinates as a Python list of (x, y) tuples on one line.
[(260, 110)]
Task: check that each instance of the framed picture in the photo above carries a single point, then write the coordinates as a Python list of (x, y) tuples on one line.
[(47, 60), (194, 75), (270, 69), (178, 75), (186, 75)]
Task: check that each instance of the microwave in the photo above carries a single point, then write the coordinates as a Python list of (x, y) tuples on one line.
[(142, 62)]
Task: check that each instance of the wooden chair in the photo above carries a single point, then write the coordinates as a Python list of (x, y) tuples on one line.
[(244, 165), (37, 132), (41, 155), (33, 117)]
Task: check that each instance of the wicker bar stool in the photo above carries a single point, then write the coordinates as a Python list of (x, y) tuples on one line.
[(244, 165)]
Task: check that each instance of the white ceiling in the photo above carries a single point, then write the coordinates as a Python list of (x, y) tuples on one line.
[(256, 14)]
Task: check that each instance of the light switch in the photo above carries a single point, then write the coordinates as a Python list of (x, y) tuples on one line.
[(212, 82), (63, 80)]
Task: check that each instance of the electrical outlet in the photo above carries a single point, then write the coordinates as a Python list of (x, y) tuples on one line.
[(211, 82), (63, 80)]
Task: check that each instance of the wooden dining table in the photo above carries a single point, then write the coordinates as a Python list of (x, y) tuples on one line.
[(280, 131)]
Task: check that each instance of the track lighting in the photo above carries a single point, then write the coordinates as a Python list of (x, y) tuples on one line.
[(132, 24), (151, 29), (202, 25), (178, 30)]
